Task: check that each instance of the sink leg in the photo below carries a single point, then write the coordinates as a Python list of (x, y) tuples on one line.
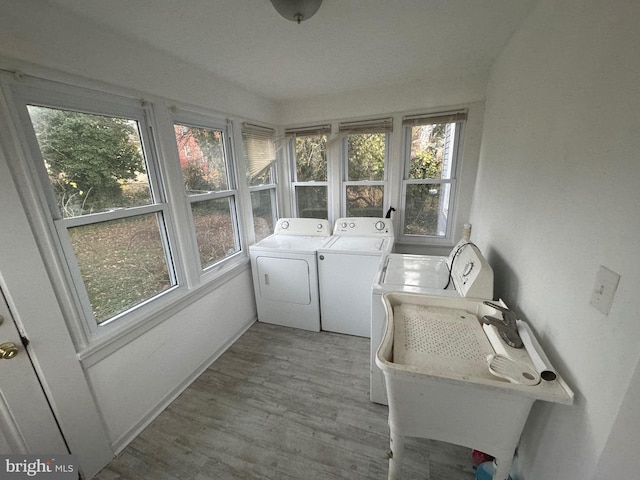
[(395, 459), (503, 466)]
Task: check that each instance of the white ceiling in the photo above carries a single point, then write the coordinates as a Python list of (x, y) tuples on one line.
[(348, 45)]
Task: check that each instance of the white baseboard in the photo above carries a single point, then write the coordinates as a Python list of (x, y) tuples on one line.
[(121, 442)]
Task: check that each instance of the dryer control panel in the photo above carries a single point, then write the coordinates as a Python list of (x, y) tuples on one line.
[(303, 226), (363, 226)]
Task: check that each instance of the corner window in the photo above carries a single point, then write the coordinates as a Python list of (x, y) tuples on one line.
[(431, 156), (365, 153), (260, 158), (309, 171), (210, 191), (108, 206)]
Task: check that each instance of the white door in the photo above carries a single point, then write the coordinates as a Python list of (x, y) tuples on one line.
[(284, 279), (27, 425)]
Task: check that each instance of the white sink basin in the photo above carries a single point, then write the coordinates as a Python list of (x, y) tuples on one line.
[(434, 359)]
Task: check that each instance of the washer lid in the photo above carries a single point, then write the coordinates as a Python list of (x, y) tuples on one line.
[(353, 244), (429, 272)]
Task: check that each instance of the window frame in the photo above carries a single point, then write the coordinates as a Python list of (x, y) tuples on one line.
[(196, 120), (248, 130), (346, 183), (93, 340), (459, 119), (293, 134), (48, 94)]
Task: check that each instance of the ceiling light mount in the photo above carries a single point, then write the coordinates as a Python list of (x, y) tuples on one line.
[(297, 10)]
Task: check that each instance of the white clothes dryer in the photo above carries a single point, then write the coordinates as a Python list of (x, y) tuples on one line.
[(285, 273), (464, 273), (346, 267)]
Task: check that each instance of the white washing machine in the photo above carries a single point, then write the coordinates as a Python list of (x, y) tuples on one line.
[(346, 267), (285, 273), (464, 273)]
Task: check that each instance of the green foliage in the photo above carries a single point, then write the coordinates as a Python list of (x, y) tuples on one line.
[(312, 201), (423, 202), (311, 159), (194, 176), (422, 209), (366, 153), (89, 159), (427, 150)]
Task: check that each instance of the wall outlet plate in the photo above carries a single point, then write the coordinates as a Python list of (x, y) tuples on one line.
[(604, 289)]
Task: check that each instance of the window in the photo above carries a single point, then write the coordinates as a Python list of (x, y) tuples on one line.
[(431, 151), (210, 188), (108, 205), (365, 156), (309, 171), (261, 177)]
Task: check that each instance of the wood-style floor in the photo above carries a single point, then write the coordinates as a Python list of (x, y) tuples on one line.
[(281, 404)]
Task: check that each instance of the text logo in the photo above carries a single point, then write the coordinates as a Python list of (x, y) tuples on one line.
[(39, 467)]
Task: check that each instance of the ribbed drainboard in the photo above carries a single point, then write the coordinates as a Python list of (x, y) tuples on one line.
[(440, 338)]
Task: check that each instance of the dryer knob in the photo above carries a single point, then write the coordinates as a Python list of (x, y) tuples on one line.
[(284, 225), (379, 225), (343, 224), (319, 226), (321, 257), (352, 225)]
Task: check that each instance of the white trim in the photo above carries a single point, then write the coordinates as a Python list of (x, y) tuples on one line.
[(365, 183), (459, 119), (104, 346)]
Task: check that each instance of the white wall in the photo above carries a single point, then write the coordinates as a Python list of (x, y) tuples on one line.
[(35, 34), (557, 196), (620, 457), (133, 384), (431, 94)]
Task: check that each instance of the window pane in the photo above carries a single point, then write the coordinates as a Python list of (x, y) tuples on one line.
[(432, 151), (312, 202), (122, 263), (427, 209), (201, 153), (260, 158), (262, 179), (95, 163), (214, 230), (311, 160), (366, 153), (262, 213), (364, 201)]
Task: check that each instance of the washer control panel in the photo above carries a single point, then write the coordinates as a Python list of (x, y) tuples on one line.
[(363, 226)]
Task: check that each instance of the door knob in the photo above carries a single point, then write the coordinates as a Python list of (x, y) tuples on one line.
[(8, 350)]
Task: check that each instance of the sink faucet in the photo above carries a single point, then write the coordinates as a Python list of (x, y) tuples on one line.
[(507, 326)]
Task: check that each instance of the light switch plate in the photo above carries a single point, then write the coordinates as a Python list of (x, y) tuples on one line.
[(604, 289)]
